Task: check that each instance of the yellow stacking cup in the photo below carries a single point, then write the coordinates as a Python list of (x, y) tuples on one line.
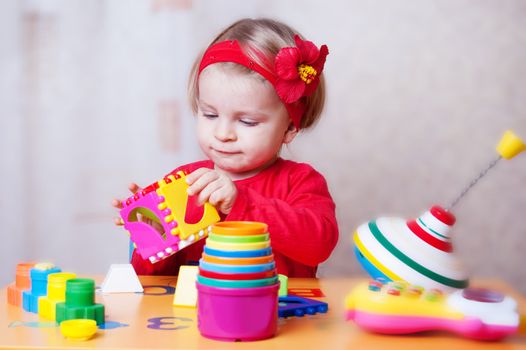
[(236, 246)]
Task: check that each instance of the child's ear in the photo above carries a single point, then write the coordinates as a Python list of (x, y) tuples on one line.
[(290, 134)]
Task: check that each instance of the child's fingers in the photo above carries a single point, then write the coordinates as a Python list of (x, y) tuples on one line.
[(223, 198), (196, 174), (217, 196), (202, 182), (133, 187), (207, 192), (116, 203), (118, 221)]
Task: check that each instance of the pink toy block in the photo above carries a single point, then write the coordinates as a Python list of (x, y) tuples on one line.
[(149, 242), (164, 202)]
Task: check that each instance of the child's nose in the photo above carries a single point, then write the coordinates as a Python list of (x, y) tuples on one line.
[(225, 131)]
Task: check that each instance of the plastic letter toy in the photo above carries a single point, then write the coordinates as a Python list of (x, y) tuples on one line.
[(400, 308), (299, 306), (164, 202)]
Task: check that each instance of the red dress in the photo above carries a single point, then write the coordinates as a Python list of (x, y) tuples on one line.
[(292, 198)]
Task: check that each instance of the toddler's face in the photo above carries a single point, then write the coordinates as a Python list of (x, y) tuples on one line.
[(241, 122)]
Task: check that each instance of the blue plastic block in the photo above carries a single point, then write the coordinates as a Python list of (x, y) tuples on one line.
[(299, 306)]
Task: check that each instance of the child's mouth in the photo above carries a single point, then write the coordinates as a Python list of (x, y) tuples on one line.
[(225, 153)]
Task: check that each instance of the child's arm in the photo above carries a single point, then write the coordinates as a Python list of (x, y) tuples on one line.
[(303, 225)]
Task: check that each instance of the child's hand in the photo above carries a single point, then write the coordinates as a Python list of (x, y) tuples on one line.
[(117, 203), (213, 187)]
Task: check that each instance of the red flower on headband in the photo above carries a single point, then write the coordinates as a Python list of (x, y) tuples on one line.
[(298, 69)]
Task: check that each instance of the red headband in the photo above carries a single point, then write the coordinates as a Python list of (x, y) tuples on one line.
[(297, 70)]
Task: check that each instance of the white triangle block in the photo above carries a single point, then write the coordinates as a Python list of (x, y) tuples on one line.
[(185, 289), (121, 278)]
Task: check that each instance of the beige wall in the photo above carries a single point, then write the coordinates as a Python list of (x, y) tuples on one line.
[(92, 97)]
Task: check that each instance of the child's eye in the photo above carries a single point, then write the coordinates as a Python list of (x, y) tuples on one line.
[(210, 115), (248, 122)]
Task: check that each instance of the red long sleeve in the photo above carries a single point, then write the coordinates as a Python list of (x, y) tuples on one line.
[(293, 199)]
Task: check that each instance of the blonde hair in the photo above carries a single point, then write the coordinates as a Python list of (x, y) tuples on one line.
[(261, 37)]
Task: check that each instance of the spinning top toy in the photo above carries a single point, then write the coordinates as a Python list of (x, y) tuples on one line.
[(419, 251)]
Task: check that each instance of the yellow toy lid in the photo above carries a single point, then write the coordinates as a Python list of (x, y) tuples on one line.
[(78, 329)]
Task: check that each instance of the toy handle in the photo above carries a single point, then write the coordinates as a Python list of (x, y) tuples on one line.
[(510, 145)]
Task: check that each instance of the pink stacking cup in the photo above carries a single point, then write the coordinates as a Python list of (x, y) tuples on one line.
[(237, 314)]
